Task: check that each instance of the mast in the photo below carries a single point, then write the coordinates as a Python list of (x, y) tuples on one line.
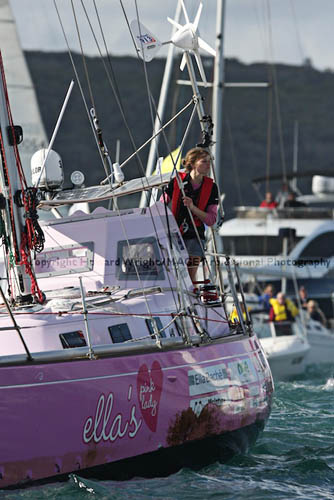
[(12, 186)]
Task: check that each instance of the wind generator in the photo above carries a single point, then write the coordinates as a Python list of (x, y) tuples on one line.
[(186, 38)]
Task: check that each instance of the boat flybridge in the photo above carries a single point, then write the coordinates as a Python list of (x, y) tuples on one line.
[(255, 235), (107, 356)]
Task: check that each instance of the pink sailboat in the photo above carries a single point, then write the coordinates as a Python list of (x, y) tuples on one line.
[(107, 356)]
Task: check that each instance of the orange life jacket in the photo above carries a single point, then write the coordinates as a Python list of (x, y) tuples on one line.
[(204, 195)]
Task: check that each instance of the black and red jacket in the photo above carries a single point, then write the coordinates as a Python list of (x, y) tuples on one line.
[(206, 195)]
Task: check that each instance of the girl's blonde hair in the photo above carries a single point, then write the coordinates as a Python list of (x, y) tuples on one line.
[(193, 155)]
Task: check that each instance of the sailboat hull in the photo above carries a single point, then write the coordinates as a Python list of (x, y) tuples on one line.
[(68, 416)]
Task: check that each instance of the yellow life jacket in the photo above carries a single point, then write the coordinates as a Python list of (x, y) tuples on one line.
[(234, 318), (280, 310)]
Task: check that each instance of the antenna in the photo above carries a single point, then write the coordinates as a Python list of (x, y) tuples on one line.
[(186, 38)]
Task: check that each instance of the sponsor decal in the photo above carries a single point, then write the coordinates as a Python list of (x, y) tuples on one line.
[(210, 379), (243, 370), (107, 425), (254, 390), (149, 387), (197, 405), (146, 38)]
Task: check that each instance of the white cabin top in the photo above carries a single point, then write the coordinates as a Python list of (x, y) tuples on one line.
[(112, 249)]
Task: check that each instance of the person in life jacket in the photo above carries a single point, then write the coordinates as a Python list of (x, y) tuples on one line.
[(234, 316), (201, 199), (282, 309)]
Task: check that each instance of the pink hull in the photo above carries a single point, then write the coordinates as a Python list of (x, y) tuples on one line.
[(60, 417)]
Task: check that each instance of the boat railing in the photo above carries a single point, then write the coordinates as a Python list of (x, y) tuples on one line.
[(106, 351), (252, 212)]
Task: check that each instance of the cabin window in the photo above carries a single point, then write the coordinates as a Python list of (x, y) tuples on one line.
[(262, 330), (72, 339), (139, 258), (283, 328), (119, 333), (67, 259), (321, 246), (159, 324)]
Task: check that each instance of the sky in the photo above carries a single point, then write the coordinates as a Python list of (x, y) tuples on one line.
[(287, 31)]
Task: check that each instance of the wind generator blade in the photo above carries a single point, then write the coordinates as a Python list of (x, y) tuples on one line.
[(174, 23), (198, 15), (205, 46), (147, 43), (200, 67), (185, 12), (183, 62)]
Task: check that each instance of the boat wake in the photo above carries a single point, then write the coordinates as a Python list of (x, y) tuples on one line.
[(329, 386)]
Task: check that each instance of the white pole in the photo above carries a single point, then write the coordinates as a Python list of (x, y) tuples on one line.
[(218, 87), (62, 111), (152, 157), (217, 103)]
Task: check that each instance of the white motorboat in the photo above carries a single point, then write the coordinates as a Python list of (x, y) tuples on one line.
[(321, 340), (286, 347)]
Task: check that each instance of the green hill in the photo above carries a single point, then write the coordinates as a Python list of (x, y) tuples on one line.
[(304, 94)]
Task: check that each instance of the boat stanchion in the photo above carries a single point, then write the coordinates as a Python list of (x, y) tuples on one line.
[(91, 353), (248, 319), (235, 294), (16, 326)]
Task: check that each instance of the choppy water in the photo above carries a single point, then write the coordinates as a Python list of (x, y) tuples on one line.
[(294, 458)]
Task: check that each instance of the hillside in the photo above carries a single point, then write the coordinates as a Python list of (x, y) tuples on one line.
[(305, 94)]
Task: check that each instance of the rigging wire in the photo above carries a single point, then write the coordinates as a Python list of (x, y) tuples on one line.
[(93, 113), (262, 24), (80, 86), (149, 93), (136, 151), (106, 49), (174, 163), (115, 93), (148, 87), (276, 92), (235, 167), (114, 88), (299, 41), (83, 58), (118, 100)]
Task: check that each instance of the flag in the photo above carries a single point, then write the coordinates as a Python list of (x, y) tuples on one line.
[(167, 163)]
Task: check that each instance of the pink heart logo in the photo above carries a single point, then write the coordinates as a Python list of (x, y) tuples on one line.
[(149, 387)]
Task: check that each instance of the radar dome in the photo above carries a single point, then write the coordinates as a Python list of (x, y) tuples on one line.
[(52, 177)]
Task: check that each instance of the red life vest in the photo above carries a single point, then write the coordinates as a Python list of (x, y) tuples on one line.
[(205, 191)]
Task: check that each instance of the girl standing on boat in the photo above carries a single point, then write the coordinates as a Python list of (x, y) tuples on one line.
[(201, 199)]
